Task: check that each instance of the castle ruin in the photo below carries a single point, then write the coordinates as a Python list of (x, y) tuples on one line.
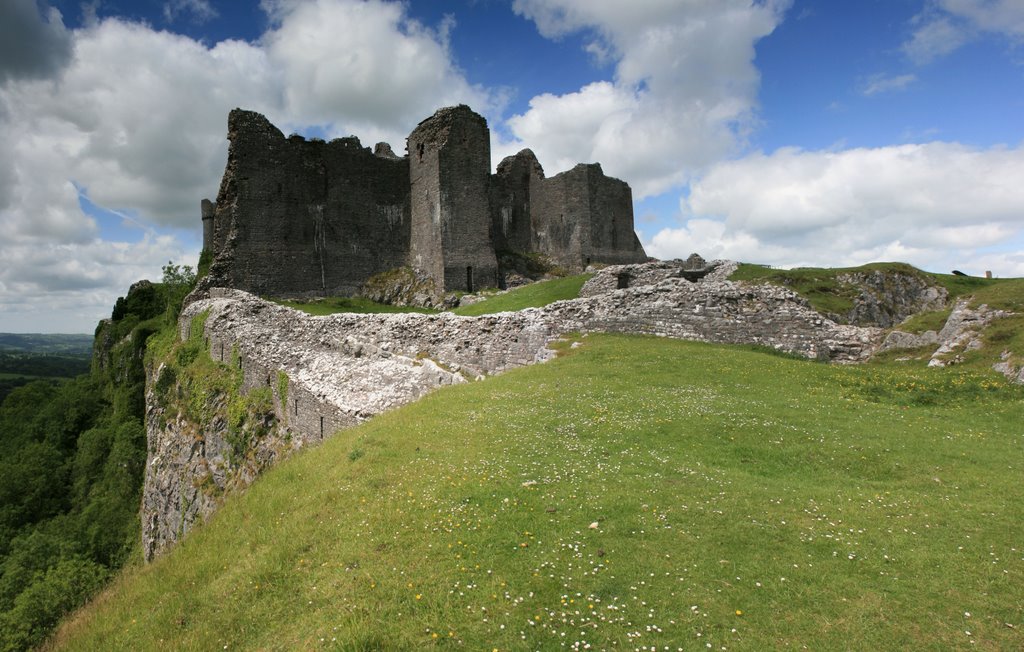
[(297, 217)]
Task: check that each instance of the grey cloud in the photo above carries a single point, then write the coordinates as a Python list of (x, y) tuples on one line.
[(31, 45), (200, 10)]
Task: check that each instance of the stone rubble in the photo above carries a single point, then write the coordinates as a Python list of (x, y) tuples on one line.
[(1013, 373), (962, 332)]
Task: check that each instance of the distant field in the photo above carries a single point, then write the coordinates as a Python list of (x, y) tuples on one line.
[(46, 343), (18, 368), (635, 493)]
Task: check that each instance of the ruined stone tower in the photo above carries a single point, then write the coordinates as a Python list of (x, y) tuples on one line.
[(449, 171), (313, 218)]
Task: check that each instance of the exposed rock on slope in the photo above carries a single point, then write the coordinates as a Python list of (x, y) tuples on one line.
[(888, 297), (962, 331)]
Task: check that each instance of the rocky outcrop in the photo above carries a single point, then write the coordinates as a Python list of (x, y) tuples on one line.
[(962, 332), (404, 286), (1005, 366), (902, 340), (888, 297)]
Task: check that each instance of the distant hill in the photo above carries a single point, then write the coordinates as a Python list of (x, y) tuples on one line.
[(73, 344), (25, 357)]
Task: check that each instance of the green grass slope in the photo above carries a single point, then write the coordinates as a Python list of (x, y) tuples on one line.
[(637, 492), (534, 295), (331, 305)]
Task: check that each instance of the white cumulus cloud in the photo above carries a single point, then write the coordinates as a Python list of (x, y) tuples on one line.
[(945, 25), (937, 205), (135, 119), (364, 66), (684, 93)]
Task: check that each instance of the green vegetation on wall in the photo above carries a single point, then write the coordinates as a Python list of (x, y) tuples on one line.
[(534, 295), (193, 386)]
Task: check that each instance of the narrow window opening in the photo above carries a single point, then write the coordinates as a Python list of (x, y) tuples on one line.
[(222, 351), (321, 427), (469, 279), (239, 362), (296, 407), (588, 261)]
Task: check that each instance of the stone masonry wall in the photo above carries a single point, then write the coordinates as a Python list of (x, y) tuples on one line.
[(512, 225), (450, 171), (296, 217), (305, 218), (582, 217)]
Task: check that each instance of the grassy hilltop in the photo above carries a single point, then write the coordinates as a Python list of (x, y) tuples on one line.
[(634, 492)]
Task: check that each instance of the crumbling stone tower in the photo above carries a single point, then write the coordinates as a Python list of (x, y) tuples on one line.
[(449, 173), (574, 218)]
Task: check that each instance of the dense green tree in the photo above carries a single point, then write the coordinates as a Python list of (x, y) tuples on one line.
[(72, 469), (63, 587), (32, 485)]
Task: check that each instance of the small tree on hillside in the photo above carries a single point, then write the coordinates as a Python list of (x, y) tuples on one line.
[(178, 281)]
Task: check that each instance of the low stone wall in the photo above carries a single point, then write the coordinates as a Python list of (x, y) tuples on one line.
[(355, 365), (612, 277), (719, 311)]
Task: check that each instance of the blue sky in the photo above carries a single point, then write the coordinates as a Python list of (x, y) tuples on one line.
[(803, 132)]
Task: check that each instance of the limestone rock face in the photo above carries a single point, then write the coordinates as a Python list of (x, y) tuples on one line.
[(962, 332), (1012, 372), (901, 340), (888, 297)]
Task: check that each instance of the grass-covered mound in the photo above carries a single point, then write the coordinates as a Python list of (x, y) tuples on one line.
[(826, 293), (637, 492), (331, 305), (535, 295), (823, 290)]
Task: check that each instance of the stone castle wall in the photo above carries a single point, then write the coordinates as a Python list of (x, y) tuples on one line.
[(574, 218), (303, 218), (450, 159), (297, 217)]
